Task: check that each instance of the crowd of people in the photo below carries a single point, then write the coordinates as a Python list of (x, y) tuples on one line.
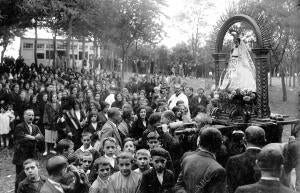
[(152, 134)]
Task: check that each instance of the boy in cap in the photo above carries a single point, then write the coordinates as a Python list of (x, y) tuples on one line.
[(158, 179), (270, 162), (154, 142)]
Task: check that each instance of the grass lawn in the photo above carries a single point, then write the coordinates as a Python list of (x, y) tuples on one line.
[(7, 169)]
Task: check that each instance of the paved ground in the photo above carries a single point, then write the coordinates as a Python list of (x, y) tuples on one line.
[(7, 169)]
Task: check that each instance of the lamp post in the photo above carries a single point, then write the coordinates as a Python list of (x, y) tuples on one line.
[(34, 23)]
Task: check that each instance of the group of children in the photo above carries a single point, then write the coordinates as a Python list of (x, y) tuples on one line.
[(115, 171)]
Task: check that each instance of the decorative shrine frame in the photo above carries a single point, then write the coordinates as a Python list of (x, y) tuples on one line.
[(260, 58)]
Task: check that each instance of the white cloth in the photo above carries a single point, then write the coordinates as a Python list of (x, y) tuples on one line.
[(240, 73), (173, 100), (4, 124), (138, 170), (160, 177), (78, 115), (111, 160), (110, 99), (94, 125), (86, 150)]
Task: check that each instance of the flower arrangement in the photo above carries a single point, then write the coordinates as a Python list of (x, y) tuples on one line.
[(236, 102), (244, 96)]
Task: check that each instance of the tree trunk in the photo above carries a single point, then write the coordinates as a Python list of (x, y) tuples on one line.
[(70, 31), (284, 94), (96, 54), (35, 43), (290, 76), (54, 50), (122, 67), (294, 80), (3, 51), (73, 56), (83, 49)]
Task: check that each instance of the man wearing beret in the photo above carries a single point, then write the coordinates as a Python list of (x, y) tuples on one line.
[(270, 162), (200, 172), (63, 178), (241, 169), (158, 179)]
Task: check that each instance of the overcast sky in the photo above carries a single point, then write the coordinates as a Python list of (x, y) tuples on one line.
[(175, 32)]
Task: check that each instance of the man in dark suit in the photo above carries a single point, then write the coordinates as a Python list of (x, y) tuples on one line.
[(63, 178), (197, 101), (241, 169), (26, 136), (292, 155), (158, 179), (110, 129), (200, 172), (270, 162)]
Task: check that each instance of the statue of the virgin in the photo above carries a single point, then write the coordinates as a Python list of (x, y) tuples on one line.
[(240, 72)]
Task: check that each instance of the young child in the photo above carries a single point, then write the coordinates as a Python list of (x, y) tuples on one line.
[(110, 148), (129, 145), (33, 181), (142, 161), (65, 147), (86, 145), (86, 160), (154, 142), (100, 185), (5, 119), (125, 180), (158, 179)]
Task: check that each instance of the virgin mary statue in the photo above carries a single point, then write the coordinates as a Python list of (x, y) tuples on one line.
[(240, 73)]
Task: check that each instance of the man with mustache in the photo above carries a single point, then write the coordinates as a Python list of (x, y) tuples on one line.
[(26, 136)]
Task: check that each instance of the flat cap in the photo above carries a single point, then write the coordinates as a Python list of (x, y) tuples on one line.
[(55, 163), (153, 135), (159, 151)]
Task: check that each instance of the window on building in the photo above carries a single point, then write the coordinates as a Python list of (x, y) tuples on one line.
[(28, 45), (40, 46), (71, 56), (49, 54), (86, 55), (50, 46), (40, 55), (75, 47)]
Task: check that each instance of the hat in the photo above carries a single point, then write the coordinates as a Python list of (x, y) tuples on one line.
[(55, 163), (152, 135), (270, 158), (159, 151)]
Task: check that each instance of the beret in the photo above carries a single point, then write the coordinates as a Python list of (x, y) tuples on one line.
[(153, 135), (158, 151), (56, 162)]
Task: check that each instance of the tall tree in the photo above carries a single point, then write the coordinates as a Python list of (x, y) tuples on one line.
[(136, 20)]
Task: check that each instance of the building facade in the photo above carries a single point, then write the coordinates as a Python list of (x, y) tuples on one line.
[(45, 51)]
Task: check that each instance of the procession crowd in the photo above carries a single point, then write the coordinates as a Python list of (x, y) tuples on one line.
[(153, 135)]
